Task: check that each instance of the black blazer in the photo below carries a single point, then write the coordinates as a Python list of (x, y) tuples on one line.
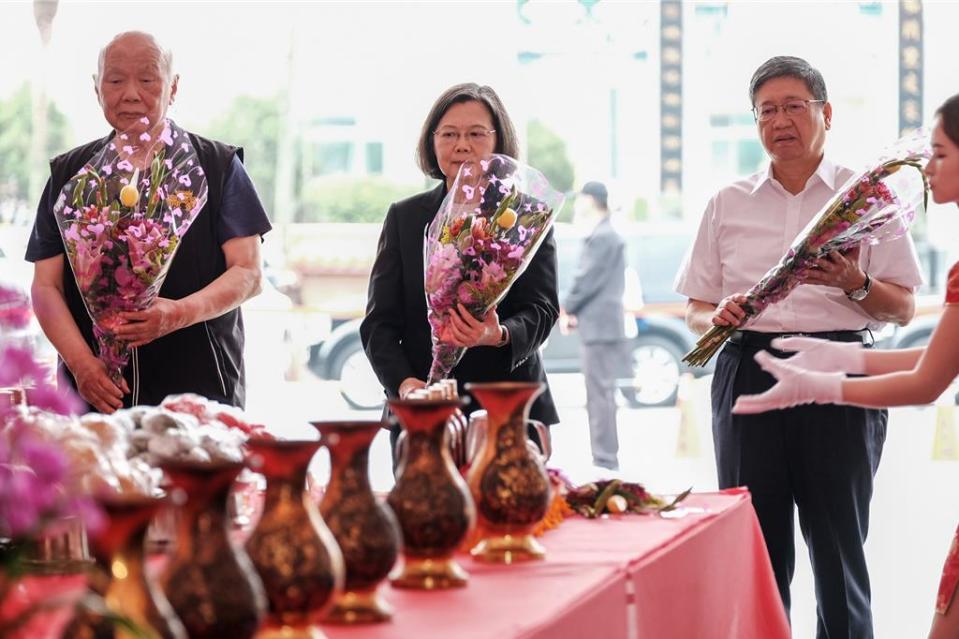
[(396, 334)]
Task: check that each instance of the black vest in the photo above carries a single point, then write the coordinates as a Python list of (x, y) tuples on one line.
[(206, 358)]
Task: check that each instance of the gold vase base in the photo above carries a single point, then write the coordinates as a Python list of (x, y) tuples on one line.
[(359, 607), (305, 631), (508, 549), (429, 574)]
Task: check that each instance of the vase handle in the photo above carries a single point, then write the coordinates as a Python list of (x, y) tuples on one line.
[(545, 448)]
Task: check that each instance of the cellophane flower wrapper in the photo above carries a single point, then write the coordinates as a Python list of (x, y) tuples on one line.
[(485, 234), (874, 206), (120, 255)]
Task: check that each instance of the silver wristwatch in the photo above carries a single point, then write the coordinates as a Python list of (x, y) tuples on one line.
[(860, 294)]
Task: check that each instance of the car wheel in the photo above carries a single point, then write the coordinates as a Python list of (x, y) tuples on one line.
[(358, 383), (656, 367)]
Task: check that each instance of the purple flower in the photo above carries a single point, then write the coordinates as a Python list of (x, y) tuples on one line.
[(20, 367), (60, 401)]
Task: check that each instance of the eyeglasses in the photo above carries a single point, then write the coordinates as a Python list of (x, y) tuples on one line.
[(793, 108), (476, 135)]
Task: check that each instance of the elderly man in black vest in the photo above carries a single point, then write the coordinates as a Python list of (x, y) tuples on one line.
[(191, 338)]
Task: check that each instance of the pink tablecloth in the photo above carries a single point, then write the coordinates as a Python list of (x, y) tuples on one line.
[(703, 575)]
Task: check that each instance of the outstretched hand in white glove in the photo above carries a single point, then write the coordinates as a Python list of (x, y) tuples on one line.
[(823, 355), (794, 386)]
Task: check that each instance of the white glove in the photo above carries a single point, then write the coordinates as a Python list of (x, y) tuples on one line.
[(794, 386), (823, 355)]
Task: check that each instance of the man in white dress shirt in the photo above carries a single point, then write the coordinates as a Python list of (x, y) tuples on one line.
[(820, 458)]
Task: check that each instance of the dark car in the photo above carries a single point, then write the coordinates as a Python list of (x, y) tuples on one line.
[(657, 334)]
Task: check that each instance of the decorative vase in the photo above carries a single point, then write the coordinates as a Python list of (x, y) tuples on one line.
[(127, 591), (210, 583), (291, 548), (365, 529), (507, 480), (431, 501)]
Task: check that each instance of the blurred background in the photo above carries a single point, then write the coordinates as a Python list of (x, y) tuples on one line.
[(327, 98)]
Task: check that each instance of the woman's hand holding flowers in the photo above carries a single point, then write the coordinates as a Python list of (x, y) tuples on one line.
[(96, 387), (142, 327), (409, 385), (467, 331)]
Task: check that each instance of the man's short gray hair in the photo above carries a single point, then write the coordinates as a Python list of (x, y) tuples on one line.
[(790, 67), (166, 55)]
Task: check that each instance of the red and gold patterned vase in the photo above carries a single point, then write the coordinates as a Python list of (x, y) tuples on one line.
[(430, 499), (210, 583), (291, 548), (507, 480), (127, 590), (365, 529)]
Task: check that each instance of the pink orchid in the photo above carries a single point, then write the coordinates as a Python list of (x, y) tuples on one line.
[(87, 263)]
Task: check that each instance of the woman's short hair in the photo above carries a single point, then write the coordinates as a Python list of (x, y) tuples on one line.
[(506, 142), (948, 114)]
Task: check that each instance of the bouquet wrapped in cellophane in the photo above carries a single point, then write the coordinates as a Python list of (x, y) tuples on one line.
[(122, 228), (876, 205), (484, 235)]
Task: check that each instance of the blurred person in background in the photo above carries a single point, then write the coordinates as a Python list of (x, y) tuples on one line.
[(468, 122), (191, 338), (594, 307)]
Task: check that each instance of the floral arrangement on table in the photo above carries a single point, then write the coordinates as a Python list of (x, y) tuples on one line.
[(121, 230), (871, 207), (53, 461), (615, 496), (36, 494), (607, 496), (483, 237)]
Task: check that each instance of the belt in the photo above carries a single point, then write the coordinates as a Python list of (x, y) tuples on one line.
[(757, 340)]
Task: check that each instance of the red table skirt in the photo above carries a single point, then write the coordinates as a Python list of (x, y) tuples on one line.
[(703, 575)]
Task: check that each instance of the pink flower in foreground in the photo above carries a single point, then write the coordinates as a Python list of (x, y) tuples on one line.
[(14, 308)]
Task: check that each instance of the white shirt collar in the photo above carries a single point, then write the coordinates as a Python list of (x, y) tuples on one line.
[(826, 172)]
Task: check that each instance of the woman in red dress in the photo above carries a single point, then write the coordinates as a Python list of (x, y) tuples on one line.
[(817, 372)]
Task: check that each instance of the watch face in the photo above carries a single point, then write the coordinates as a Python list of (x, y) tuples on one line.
[(860, 293)]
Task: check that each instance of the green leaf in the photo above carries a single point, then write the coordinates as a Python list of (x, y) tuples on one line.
[(600, 504), (675, 502)]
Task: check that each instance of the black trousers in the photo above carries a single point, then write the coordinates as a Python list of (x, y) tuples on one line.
[(822, 458)]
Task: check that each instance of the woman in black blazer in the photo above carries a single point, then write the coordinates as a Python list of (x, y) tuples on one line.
[(467, 122)]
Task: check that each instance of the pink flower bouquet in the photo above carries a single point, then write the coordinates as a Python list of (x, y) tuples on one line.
[(121, 229), (875, 205), (483, 237)]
